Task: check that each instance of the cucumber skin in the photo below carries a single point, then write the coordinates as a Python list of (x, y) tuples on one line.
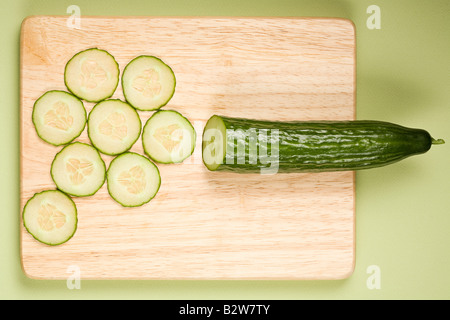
[(328, 145), (76, 216)]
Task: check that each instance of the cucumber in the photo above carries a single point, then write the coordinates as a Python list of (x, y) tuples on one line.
[(148, 83), (245, 146), (58, 117), (50, 217), (113, 126), (92, 75), (168, 137), (132, 179), (78, 170)]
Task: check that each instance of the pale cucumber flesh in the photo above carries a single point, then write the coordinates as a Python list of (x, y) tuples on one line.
[(214, 143)]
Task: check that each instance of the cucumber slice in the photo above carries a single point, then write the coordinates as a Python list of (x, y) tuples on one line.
[(113, 126), (50, 217), (132, 179), (58, 117), (92, 75), (148, 83), (78, 170), (168, 137)]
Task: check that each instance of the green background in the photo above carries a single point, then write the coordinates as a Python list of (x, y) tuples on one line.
[(402, 218)]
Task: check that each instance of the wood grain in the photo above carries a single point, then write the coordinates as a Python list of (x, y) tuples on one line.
[(204, 225)]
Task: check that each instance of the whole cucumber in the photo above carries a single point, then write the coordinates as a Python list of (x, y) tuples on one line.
[(249, 146)]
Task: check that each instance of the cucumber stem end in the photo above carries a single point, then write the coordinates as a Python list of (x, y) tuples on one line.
[(437, 141)]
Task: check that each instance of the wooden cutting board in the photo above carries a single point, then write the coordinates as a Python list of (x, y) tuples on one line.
[(201, 224)]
